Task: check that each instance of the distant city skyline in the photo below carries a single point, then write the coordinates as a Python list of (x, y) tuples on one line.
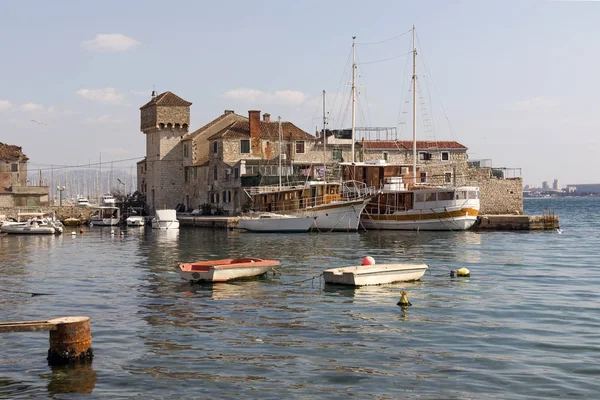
[(513, 79)]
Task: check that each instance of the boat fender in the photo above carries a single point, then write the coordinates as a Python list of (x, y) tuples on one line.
[(404, 302), (368, 260)]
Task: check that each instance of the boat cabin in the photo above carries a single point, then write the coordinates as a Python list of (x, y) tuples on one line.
[(291, 198)]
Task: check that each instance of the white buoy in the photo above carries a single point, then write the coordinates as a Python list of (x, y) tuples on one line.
[(463, 272), (73, 234)]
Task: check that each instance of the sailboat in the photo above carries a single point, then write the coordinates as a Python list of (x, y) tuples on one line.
[(333, 206), (404, 204), (274, 222)]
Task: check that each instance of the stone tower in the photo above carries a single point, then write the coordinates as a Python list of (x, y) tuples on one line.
[(164, 121)]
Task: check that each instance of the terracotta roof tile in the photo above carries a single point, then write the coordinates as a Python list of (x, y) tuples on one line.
[(268, 130), (167, 99), (11, 153), (408, 144)]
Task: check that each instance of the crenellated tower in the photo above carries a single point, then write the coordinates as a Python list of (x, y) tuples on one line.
[(164, 121)]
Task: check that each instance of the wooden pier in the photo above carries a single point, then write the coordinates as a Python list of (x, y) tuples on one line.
[(215, 222)]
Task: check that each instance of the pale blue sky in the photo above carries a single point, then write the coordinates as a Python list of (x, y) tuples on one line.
[(517, 79)]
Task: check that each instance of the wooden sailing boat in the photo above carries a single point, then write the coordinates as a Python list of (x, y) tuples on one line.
[(401, 203)]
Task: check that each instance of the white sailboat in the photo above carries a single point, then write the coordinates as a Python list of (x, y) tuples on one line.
[(275, 222), (402, 204)]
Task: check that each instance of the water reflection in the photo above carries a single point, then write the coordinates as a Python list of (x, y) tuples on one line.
[(72, 378)]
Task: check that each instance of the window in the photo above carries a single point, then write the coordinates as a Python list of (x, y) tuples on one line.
[(186, 174), (299, 146), (215, 173), (423, 177), (384, 155), (336, 155), (227, 196), (443, 196), (430, 197), (215, 147), (447, 177), (424, 156), (236, 173), (245, 146), (445, 156), (185, 150), (14, 168)]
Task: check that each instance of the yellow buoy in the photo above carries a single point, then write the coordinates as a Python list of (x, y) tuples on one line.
[(463, 272), (404, 302)]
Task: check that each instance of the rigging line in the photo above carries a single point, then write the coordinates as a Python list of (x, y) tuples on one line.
[(364, 86), (452, 131), (57, 167), (384, 60), (403, 91), (386, 40), (333, 104)]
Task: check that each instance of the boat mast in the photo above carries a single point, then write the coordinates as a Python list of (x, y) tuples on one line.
[(353, 92), (279, 121), (414, 110), (324, 138)]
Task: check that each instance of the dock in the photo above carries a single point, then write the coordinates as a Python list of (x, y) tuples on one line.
[(516, 222), (215, 222)]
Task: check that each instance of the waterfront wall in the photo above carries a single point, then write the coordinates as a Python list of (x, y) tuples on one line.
[(62, 213)]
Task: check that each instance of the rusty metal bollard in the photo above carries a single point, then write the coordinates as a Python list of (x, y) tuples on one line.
[(70, 341), (70, 337)]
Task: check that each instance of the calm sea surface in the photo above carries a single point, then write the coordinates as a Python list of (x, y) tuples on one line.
[(525, 325)]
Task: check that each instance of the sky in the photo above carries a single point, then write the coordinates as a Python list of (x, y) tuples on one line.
[(514, 81)]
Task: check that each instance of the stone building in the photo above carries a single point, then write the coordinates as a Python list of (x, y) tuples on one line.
[(211, 167), (164, 120), (14, 191)]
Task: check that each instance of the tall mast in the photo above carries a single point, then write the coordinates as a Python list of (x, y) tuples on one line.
[(279, 121), (324, 138), (353, 92), (414, 110)]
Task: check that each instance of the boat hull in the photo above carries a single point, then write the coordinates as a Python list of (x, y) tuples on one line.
[(284, 224), (27, 229), (161, 224), (341, 216), (103, 221), (437, 220), (135, 221), (374, 274), (225, 270)]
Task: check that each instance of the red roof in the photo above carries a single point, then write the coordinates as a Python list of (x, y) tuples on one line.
[(268, 130), (10, 152), (167, 99), (408, 144)]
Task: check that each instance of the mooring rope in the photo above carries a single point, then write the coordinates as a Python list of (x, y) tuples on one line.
[(304, 280)]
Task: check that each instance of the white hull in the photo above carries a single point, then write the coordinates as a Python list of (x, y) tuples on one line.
[(103, 221), (276, 223), (135, 221), (27, 229), (156, 224), (336, 216), (414, 221), (224, 274), (374, 274)]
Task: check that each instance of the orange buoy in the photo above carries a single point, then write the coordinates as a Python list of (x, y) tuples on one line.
[(368, 260), (80, 230)]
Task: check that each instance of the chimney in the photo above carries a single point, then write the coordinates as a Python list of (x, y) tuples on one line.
[(227, 112), (254, 120), (267, 117)]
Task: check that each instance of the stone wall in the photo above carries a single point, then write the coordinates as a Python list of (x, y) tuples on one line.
[(498, 196)]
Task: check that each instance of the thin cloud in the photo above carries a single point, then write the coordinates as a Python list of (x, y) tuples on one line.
[(31, 107), (101, 119), (536, 102), (141, 93), (282, 97), (110, 43), (5, 105), (108, 95)]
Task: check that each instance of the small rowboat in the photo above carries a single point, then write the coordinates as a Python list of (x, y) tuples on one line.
[(225, 270), (374, 274)]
